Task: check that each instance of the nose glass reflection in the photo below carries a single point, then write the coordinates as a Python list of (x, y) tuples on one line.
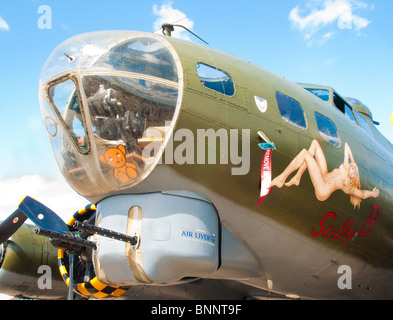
[(123, 110), (64, 96), (109, 113)]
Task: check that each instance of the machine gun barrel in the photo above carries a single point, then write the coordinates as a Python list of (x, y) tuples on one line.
[(105, 232), (65, 238)]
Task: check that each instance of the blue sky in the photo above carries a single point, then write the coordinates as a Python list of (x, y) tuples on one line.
[(346, 44)]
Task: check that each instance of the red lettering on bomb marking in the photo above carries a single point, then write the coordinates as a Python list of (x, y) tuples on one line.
[(347, 230)]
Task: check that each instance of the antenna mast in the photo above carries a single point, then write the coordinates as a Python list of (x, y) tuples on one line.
[(168, 28)]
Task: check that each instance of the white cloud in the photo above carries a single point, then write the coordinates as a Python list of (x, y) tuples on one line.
[(55, 194), (4, 25), (327, 13), (167, 14)]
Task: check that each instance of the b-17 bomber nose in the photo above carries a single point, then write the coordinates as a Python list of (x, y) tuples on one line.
[(109, 102)]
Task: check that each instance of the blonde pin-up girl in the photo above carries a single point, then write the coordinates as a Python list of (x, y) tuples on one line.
[(345, 178)]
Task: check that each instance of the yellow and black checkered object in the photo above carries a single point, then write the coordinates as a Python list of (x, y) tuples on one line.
[(94, 288), (83, 214)]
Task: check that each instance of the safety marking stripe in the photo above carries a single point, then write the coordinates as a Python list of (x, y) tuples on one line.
[(82, 289), (80, 214), (94, 287)]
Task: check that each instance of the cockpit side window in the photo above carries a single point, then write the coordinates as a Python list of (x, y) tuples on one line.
[(344, 107), (323, 94), (215, 79), (65, 97), (339, 103), (327, 130), (291, 111), (363, 123), (349, 113)]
